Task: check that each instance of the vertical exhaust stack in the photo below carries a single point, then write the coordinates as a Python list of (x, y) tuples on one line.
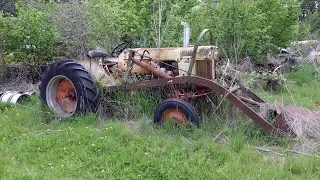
[(186, 34)]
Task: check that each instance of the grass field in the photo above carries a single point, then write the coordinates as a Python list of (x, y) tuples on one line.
[(34, 145)]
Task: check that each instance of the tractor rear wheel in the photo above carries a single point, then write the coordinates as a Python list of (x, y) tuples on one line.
[(178, 110), (68, 88)]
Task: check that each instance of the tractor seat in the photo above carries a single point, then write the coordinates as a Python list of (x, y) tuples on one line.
[(94, 54)]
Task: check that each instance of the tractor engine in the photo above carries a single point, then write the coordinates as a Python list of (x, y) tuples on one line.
[(173, 61)]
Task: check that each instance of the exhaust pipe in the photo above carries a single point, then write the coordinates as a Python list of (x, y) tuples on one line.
[(186, 34)]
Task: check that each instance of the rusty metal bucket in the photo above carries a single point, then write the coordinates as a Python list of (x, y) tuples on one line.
[(297, 120)]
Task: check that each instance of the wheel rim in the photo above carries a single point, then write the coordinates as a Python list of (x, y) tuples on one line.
[(61, 96), (174, 114)]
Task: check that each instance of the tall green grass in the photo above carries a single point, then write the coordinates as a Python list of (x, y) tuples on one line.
[(36, 145), (33, 147), (301, 88)]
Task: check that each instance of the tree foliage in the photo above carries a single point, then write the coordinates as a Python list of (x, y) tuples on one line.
[(310, 20), (143, 20), (252, 27), (74, 28), (309, 7), (30, 34), (240, 27)]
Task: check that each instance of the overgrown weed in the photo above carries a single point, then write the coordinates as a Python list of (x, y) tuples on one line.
[(301, 89), (87, 147)]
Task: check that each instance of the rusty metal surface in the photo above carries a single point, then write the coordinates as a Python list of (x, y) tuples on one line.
[(302, 111), (205, 68), (182, 56), (213, 86), (173, 53), (251, 94), (290, 116), (249, 101), (195, 50), (281, 124), (152, 69), (299, 112)]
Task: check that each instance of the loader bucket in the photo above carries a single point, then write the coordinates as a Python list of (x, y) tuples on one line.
[(297, 120)]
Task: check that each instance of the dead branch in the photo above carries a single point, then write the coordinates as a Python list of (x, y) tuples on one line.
[(280, 154), (302, 153), (43, 132), (267, 150)]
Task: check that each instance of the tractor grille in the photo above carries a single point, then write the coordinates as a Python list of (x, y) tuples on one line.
[(204, 68)]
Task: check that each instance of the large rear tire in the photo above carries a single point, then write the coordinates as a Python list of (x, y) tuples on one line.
[(68, 89)]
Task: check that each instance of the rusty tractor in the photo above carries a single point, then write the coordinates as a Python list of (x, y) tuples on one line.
[(69, 87)]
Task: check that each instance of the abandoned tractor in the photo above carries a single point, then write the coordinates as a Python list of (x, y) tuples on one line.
[(69, 87)]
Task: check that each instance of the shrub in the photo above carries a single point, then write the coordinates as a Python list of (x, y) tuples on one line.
[(31, 35)]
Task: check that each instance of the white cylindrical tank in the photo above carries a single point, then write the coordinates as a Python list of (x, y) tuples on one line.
[(14, 97)]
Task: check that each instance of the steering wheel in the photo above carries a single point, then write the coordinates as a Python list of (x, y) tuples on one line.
[(120, 48)]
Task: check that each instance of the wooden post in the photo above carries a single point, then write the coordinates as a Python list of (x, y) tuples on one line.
[(129, 66)]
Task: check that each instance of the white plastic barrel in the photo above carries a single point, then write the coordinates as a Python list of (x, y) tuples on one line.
[(13, 97), (6, 96)]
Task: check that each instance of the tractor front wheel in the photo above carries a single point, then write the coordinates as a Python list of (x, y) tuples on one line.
[(68, 88), (178, 110)]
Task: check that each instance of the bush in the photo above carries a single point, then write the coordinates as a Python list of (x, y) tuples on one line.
[(31, 35), (252, 28)]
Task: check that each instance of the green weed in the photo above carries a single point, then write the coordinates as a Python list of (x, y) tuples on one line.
[(36, 145), (301, 88)]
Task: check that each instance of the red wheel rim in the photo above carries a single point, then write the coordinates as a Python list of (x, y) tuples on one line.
[(174, 114), (66, 96)]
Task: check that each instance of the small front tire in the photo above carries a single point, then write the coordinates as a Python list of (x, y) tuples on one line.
[(178, 110)]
